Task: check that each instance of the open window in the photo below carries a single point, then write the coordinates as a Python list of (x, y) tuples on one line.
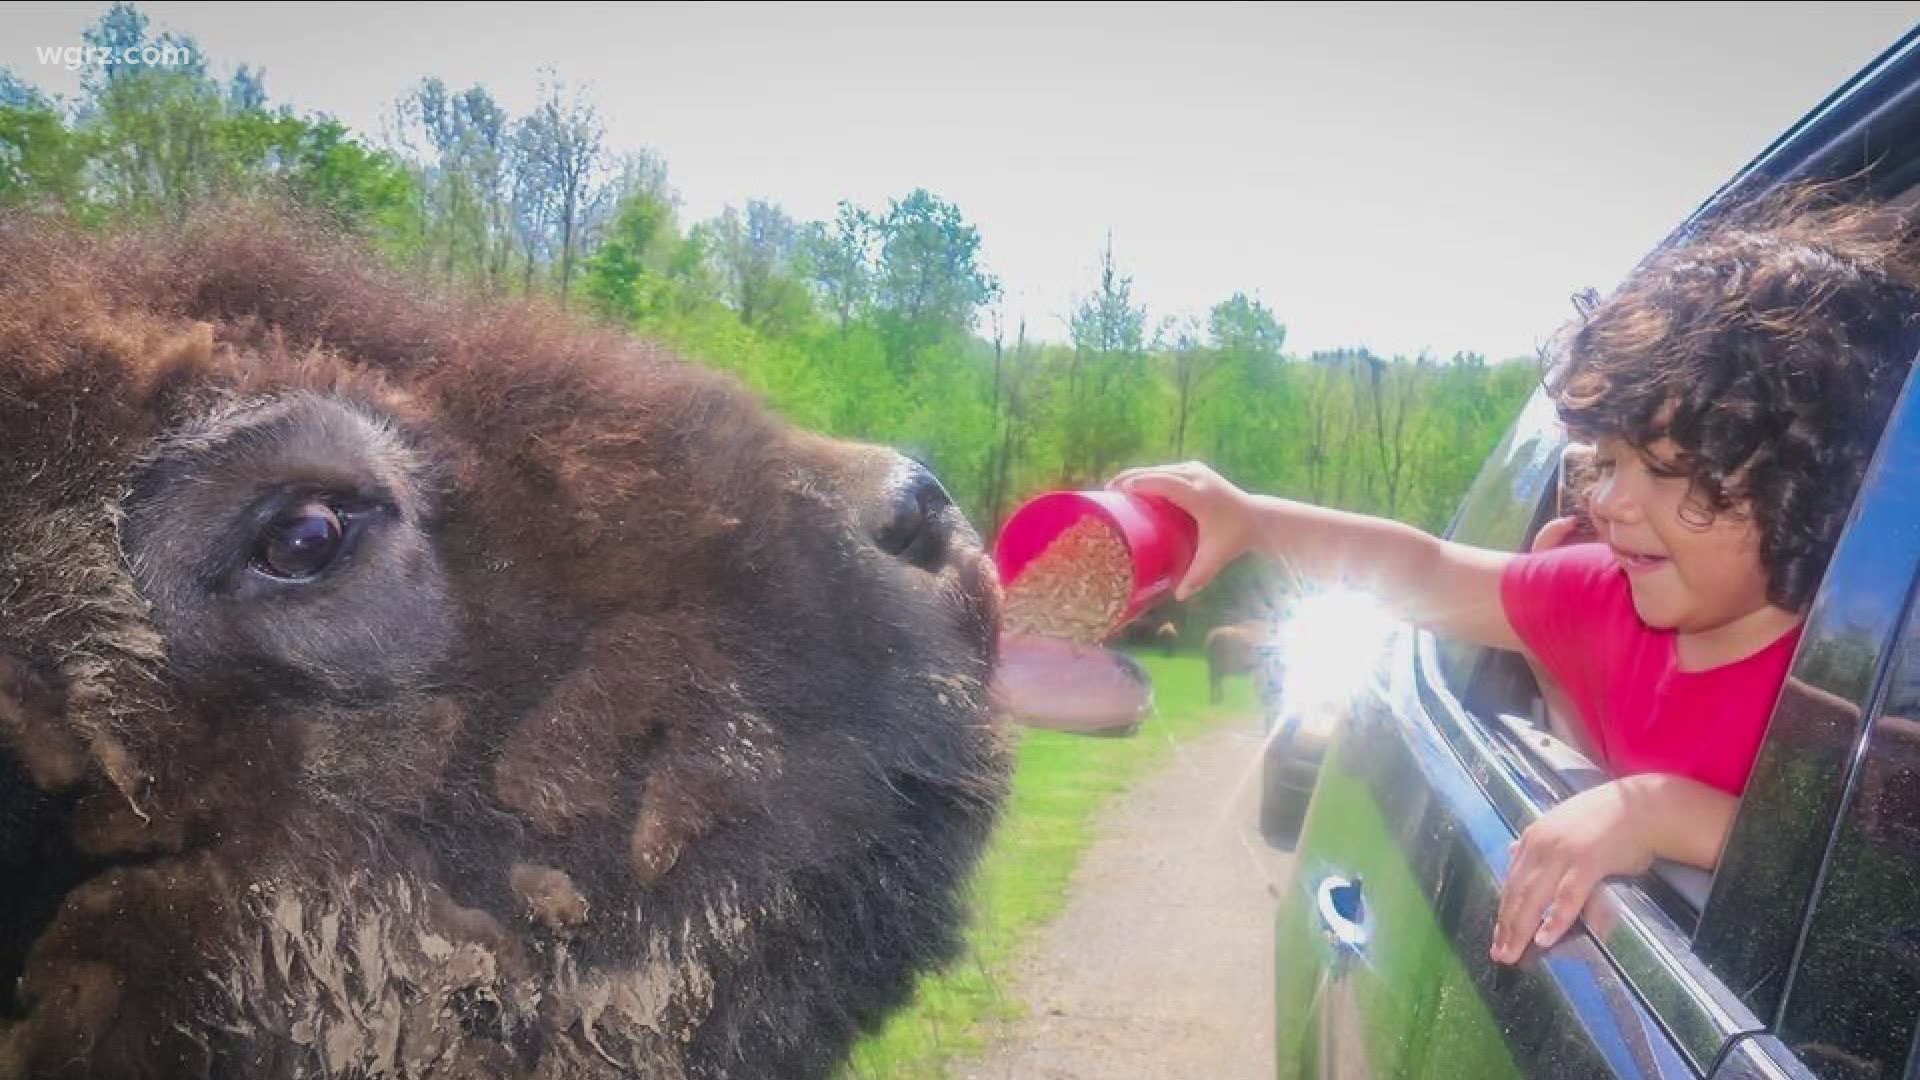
[(1518, 491)]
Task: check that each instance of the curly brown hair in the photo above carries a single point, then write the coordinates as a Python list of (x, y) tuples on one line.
[(1769, 347)]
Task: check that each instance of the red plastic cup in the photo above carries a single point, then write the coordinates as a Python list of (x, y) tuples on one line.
[(1159, 536)]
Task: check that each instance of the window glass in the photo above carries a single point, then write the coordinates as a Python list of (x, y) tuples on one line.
[(1501, 509), (1856, 995), (1814, 766)]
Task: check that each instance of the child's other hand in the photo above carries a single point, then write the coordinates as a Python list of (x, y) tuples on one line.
[(1560, 860), (1223, 511), (1560, 530)]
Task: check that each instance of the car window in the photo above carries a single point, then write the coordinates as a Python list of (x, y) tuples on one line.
[(1503, 507), (1514, 494), (1827, 747), (1856, 994)]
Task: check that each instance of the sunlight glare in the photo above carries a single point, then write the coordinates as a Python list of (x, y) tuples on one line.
[(1328, 650)]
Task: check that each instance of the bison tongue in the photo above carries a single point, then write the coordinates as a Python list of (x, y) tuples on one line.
[(1051, 683)]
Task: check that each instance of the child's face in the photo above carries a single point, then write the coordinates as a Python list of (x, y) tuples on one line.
[(1691, 570)]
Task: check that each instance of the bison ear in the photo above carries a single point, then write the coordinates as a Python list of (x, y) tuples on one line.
[(31, 708)]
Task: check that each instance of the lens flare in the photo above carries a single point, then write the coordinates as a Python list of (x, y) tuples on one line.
[(1326, 652)]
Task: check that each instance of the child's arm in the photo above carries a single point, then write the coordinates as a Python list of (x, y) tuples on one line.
[(1615, 828), (1450, 588)]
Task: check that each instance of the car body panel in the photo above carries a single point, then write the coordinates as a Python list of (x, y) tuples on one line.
[(1396, 811)]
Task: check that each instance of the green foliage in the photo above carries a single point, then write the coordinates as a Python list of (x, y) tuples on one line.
[(331, 170), (626, 277), (17, 93), (153, 140), (757, 258), (1101, 411), (928, 285), (40, 160)]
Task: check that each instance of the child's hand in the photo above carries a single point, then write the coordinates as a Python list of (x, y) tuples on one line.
[(1561, 859), (1223, 511), (1559, 531)]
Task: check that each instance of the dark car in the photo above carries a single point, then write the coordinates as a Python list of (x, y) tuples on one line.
[(1800, 956)]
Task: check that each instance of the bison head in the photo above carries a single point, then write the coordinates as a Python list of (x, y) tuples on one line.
[(399, 685)]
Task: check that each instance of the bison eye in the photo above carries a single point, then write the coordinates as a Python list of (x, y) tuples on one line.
[(300, 544)]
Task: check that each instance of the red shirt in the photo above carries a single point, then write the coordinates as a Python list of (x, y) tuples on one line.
[(1573, 608)]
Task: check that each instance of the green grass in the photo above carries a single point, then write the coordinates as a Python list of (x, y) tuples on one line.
[(1060, 782)]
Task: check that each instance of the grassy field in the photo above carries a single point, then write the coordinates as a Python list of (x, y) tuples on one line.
[(1060, 782)]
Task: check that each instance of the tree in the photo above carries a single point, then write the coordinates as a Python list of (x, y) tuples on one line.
[(1191, 363), (1013, 415), (1250, 403), (475, 195), (121, 29), (40, 160), (630, 259), (123, 50), (1106, 375), (468, 174), (16, 93), (757, 256), (563, 143), (321, 165), (157, 134), (839, 257), (1323, 400), (1246, 327), (635, 173), (928, 284), (247, 92)]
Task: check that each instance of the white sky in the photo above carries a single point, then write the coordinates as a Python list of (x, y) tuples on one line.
[(1437, 177)]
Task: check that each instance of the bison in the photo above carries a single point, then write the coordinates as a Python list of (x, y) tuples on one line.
[(1167, 636), (1164, 636), (396, 684), (1233, 650)]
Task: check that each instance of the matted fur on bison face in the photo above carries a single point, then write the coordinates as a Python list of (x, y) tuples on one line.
[(394, 685)]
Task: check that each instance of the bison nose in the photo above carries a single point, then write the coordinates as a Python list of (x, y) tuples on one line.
[(920, 518)]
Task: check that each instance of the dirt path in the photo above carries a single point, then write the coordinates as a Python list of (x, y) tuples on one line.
[(1162, 963)]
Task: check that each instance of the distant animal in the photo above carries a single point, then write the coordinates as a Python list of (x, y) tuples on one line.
[(1168, 635), (1231, 651), (1163, 635)]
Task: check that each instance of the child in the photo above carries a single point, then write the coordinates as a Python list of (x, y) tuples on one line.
[(1734, 389)]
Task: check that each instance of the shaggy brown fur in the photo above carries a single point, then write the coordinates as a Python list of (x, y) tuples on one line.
[(621, 730)]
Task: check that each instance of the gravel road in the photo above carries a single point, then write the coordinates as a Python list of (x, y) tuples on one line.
[(1162, 963)]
